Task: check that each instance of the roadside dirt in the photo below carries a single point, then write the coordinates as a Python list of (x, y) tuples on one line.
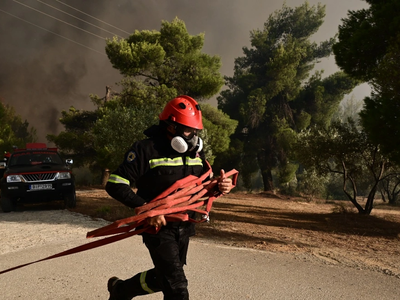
[(328, 231)]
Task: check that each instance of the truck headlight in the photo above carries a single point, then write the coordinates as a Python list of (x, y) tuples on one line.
[(63, 175), (14, 178)]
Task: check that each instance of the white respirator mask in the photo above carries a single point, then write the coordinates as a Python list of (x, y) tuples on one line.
[(182, 145)]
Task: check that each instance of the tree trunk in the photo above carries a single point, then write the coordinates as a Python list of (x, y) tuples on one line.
[(370, 201), (267, 180), (371, 196), (353, 198), (383, 195), (395, 193), (104, 177), (266, 172)]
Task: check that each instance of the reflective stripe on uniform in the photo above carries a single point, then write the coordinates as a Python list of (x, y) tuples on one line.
[(194, 161), (165, 161), (118, 179), (174, 162), (144, 284)]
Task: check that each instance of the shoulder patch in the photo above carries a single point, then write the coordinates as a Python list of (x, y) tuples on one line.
[(131, 156)]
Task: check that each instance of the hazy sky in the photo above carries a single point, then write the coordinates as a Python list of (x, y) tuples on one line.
[(52, 58)]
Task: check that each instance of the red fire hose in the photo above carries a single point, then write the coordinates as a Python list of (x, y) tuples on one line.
[(187, 194)]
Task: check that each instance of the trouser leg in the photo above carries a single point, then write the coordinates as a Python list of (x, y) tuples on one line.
[(141, 284), (168, 253)]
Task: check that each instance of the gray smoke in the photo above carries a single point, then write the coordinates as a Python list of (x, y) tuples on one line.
[(43, 73)]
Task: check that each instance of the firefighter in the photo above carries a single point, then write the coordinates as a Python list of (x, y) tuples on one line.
[(172, 151)]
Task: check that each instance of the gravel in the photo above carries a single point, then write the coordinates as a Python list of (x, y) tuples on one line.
[(26, 229)]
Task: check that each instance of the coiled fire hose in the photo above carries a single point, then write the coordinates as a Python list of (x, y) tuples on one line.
[(188, 194)]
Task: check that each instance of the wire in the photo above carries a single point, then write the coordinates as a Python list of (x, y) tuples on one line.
[(52, 32), (59, 20), (78, 18), (92, 17)]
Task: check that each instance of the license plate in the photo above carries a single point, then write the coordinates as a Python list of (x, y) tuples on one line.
[(39, 187)]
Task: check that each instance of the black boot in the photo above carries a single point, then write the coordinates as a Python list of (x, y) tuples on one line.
[(113, 286), (141, 284)]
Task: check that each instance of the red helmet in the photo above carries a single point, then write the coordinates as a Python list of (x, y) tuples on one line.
[(183, 110)]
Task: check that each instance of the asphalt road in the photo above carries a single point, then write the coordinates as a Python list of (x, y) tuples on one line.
[(214, 272)]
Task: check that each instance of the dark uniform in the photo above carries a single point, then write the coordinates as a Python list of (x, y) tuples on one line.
[(152, 165)]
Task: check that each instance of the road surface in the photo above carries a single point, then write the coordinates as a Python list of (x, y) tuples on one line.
[(214, 272)]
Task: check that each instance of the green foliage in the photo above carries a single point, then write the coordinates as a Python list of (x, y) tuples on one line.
[(320, 98), (344, 150), (312, 184), (99, 139), (334, 188), (219, 129), (114, 132), (325, 149), (272, 95), (380, 118), (364, 38), (390, 187), (77, 141), (14, 131), (137, 93), (169, 57), (287, 171), (380, 115), (368, 49)]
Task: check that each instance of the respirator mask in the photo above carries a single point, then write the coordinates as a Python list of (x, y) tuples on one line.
[(186, 140)]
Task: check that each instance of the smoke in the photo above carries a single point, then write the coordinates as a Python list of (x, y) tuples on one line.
[(46, 65)]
